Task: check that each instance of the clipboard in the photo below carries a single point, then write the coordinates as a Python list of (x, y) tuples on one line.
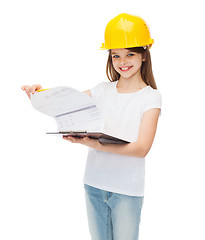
[(72, 109), (102, 137)]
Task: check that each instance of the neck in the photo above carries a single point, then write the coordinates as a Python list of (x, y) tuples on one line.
[(134, 82)]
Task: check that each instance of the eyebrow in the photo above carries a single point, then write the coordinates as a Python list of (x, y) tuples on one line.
[(118, 53)]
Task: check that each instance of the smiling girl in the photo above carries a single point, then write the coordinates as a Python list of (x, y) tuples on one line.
[(131, 105)]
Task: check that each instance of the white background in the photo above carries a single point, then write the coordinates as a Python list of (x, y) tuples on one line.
[(57, 43)]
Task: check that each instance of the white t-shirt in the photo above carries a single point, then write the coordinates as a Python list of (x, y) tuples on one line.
[(122, 114)]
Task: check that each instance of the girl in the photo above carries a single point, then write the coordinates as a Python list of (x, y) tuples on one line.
[(131, 105)]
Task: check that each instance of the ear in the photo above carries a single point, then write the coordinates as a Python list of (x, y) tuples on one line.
[(144, 57)]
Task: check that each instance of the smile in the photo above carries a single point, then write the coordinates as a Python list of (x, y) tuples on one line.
[(124, 69)]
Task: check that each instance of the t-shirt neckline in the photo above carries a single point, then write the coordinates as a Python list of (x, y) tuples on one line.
[(115, 86)]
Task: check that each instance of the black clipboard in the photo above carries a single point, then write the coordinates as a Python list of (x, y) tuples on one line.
[(102, 137)]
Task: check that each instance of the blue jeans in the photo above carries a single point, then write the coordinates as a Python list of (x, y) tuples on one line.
[(112, 216)]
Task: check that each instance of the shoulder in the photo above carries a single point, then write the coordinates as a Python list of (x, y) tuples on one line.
[(151, 99), (152, 93), (103, 85)]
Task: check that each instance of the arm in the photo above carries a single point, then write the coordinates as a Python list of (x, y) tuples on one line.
[(140, 148), (31, 89)]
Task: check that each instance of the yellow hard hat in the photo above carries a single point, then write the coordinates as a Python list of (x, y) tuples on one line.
[(126, 31)]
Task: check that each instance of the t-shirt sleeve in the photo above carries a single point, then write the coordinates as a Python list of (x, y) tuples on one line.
[(97, 90), (152, 100)]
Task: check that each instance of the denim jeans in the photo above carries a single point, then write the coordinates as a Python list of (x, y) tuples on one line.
[(112, 216)]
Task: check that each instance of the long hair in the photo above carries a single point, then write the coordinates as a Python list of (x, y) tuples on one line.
[(146, 68)]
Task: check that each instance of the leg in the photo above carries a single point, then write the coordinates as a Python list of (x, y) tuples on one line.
[(99, 214), (125, 213)]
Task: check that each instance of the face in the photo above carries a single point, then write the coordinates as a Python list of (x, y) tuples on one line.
[(126, 63)]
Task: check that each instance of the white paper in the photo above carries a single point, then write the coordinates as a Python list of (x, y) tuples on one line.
[(73, 110)]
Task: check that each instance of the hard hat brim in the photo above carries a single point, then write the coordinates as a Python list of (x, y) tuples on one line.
[(117, 47)]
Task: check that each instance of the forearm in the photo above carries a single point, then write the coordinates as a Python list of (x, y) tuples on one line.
[(133, 149)]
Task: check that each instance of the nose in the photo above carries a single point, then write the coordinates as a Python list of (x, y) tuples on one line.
[(122, 61)]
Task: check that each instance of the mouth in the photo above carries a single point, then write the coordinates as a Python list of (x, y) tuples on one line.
[(125, 69)]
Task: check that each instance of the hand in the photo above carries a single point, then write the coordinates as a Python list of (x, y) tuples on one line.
[(92, 143), (31, 89)]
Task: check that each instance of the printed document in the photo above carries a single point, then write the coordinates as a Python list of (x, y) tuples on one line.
[(73, 110)]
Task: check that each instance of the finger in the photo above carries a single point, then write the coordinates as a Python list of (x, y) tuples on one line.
[(86, 138), (23, 87), (35, 87), (27, 90), (75, 139), (67, 138)]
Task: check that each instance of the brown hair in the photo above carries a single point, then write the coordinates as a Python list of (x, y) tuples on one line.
[(146, 68)]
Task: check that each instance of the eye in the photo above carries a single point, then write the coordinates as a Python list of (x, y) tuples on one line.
[(130, 55), (115, 56)]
